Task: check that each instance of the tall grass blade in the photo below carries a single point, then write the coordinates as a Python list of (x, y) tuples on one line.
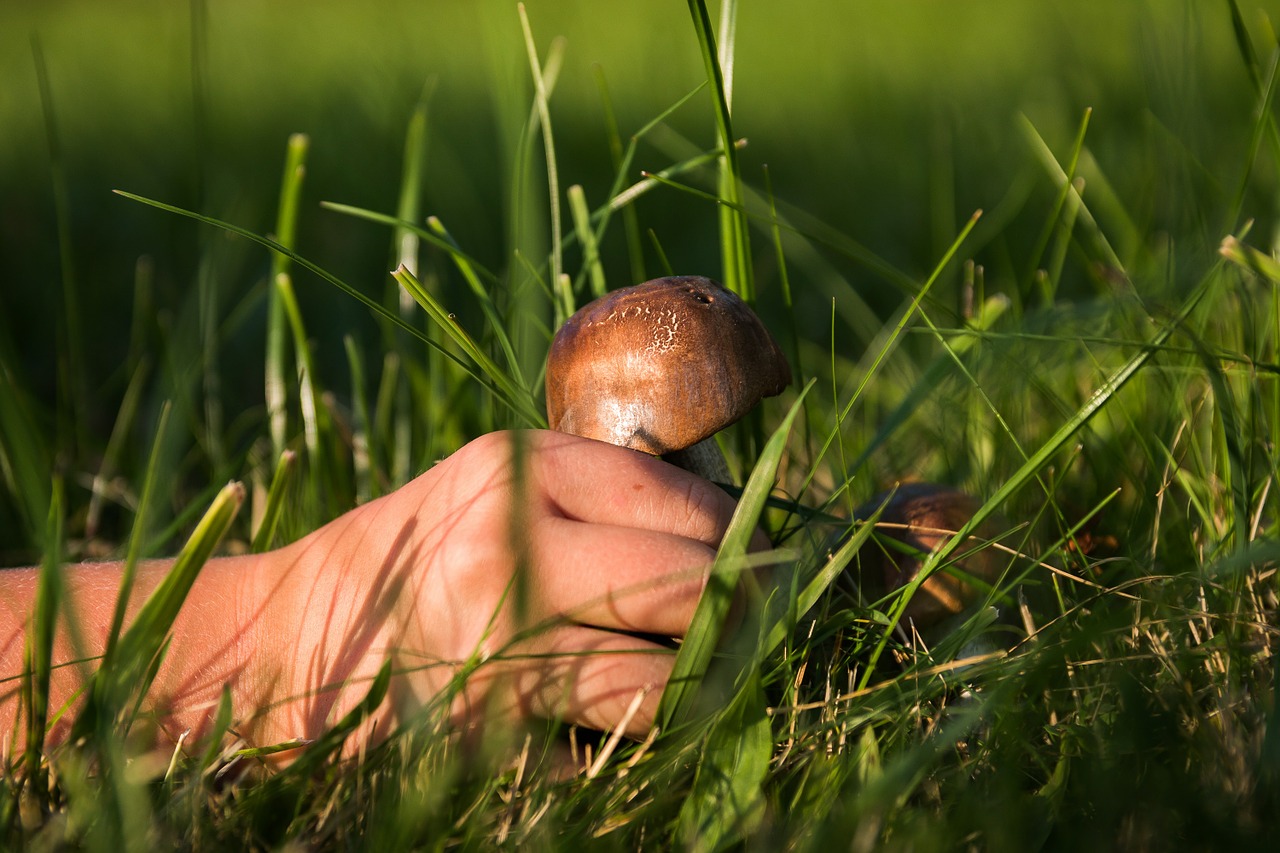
[(140, 650), (726, 802), (1069, 191), (406, 245), (39, 648), (25, 457), (590, 249), (541, 104), (708, 619), (497, 323), (800, 601), (73, 395), (1061, 216), (314, 417), (361, 439), (137, 535), (734, 234), (621, 164), (221, 723), (265, 536), (517, 396), (120, 431), (277, 323)]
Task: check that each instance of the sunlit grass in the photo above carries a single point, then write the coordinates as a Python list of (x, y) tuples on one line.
[(1102, 375)]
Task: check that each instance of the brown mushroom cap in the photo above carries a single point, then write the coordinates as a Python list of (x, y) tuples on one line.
[(660, 366), (924, 516)]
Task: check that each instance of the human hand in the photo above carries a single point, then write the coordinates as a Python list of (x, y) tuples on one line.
[(541, 553)]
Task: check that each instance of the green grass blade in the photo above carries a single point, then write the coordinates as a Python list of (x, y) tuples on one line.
[(73, 396), (305, 369), (541, 104), (137, 535), (265, 536), (277, 340), (1061, 216), (708, 619), (518, 397), (39, 648), (932, 377), (433, 233), (734, 233), (120, 430), (621, 165), (139, 651), (497, 323), (221, 723), (25, 456), (891, 341), (362, 443), (1068, 189), (587, 239), (726, 801), (812, 593)]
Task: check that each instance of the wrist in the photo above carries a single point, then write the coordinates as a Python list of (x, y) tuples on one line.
[(333, 613)]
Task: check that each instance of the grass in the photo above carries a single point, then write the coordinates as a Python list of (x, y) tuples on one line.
[(1096, 354)]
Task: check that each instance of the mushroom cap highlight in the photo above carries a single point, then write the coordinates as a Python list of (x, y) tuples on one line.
[(662, 365)]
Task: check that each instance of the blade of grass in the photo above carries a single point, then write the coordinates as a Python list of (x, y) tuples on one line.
[(708, 619), (1058, 221), (890, 343), (406, 246), (590, 249), (120, 430), (726, 803), (734, 234), (497, 323), (264, 537), (277, 341), (25, 457), (221, 723), (314, 418), (804, 599), (73, 395), (137, 535), (541, 103), (522, 401), (362, 446), (140, 649), (621, 164), (39, 647), (1068, 189), (932, 377)]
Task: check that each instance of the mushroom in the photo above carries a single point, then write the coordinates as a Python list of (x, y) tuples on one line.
[(661, 367), (923, 517)]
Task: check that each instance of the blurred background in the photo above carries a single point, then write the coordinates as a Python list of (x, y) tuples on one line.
[(885, 123)]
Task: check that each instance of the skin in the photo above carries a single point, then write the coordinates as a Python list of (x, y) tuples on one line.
[(609, 540)]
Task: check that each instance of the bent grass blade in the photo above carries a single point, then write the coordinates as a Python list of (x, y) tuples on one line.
[(708, 619)]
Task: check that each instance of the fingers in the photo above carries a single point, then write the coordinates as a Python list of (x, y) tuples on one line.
[(592, 678), (621, 578), (596, 482)]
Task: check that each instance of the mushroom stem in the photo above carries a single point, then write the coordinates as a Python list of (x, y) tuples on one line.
[(703, 459)]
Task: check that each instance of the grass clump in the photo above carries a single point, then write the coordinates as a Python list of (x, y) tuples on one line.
[(1102, 374)]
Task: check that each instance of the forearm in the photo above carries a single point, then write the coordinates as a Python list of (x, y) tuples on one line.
[(213, 641)]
